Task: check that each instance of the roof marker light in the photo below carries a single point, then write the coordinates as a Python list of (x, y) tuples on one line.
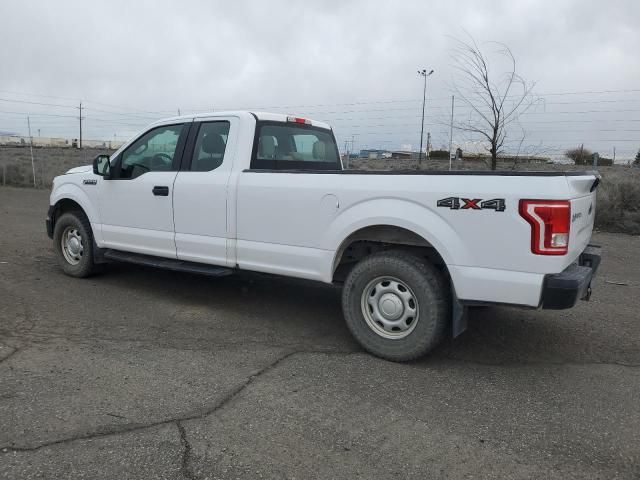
[(293, 119)]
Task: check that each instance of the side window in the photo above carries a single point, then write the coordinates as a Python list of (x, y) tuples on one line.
[(285, 146), (211, 143), (152, 152)]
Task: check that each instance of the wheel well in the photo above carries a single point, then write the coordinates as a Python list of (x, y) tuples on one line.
[(66, 205), (375, 238)]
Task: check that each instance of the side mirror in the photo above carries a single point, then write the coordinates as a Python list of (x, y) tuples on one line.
[(101, 166)]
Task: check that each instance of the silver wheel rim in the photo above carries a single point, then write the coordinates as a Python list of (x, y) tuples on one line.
[(390, 307), (71, 243)]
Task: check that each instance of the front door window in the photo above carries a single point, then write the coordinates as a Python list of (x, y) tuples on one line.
[(152, 152)]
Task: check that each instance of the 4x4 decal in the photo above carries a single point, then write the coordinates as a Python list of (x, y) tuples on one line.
[(458, 203)]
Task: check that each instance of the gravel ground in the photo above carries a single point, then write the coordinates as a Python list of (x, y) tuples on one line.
[(140, 373)]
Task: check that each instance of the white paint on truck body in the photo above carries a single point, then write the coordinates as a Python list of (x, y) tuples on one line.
[(295, 223)]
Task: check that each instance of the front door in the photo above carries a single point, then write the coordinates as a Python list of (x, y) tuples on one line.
[(136, 202)]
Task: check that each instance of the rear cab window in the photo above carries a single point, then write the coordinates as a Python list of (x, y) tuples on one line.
[(294, 146)]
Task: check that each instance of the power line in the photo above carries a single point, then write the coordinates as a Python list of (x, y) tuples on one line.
[(39, 95), (349, 119), (585, 92), (22, 114), (77, 100), (36, 103)]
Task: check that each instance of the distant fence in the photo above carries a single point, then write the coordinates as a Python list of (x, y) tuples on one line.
[(20, 141), (17, 169)]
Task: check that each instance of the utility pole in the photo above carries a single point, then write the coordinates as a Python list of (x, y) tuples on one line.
[(451, 132), (424, 74), (80, 139), (39, 135), (580, 155), (33, 165), (614, 155), (178, 112), (346, 153), (426, 154)]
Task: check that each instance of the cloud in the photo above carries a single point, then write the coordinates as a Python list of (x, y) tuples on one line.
[(161, 56)]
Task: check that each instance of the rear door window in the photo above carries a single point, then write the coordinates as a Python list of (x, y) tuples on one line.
[(211, 143), (294, 146)]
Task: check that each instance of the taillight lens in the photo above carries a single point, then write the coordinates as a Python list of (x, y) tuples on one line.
[(550, 221), (298, 120)]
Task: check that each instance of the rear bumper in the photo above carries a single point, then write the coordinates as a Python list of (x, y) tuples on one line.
[(563, 290), (49, 222)]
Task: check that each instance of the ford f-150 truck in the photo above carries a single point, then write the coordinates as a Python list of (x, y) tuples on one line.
[(412, 250)]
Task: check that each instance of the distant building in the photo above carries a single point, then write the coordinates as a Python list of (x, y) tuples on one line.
[(373, 153), (401, 154)]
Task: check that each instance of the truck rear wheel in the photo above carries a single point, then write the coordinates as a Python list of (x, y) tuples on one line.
[(396, 305), (73, 244)]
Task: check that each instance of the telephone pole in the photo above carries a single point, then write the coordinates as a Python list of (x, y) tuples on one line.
[(80, 139), (33, 165), (424, 74), (346, 154), (451, 133)]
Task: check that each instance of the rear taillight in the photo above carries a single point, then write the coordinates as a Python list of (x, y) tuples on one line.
[(550, 221)]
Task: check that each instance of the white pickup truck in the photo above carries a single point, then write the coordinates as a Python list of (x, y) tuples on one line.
[(265, 192)]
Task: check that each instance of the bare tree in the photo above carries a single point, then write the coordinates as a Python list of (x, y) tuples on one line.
[(496, 101)]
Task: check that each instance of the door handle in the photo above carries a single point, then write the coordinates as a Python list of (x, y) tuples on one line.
[(160, 191)]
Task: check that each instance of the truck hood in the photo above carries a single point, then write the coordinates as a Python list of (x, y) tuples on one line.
[(83, 169)]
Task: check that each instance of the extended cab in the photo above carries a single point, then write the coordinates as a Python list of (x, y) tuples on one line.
[(264, 192)]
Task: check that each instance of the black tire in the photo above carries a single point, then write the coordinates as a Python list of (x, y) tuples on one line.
[(75, 220), (426, 284)]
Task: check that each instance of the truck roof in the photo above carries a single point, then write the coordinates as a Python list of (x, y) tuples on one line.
[(267, 116)]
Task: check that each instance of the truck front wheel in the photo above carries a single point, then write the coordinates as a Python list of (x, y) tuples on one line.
[(396, 305), (73, 244)]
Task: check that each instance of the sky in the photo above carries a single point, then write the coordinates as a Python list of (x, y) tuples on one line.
[(351, 63)]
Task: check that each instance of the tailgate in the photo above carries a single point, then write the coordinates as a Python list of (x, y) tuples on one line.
[(582, 189)]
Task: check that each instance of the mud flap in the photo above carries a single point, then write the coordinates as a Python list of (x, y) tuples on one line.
[(459, 315)]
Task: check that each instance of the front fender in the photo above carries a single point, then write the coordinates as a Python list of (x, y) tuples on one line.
[(401, 213), (73, 192)]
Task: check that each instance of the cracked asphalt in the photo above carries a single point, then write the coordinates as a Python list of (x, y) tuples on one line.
[(140, 373)]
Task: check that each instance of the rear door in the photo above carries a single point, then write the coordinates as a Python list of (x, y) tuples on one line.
[(282, 215), (201, 192), (136, 203)]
